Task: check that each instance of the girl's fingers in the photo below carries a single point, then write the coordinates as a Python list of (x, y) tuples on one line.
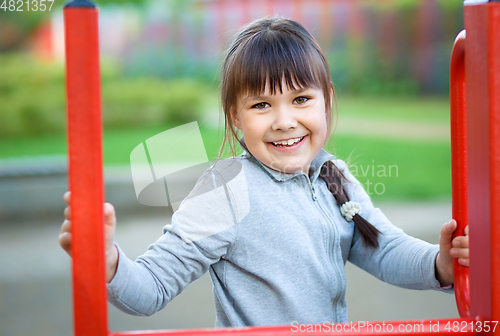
[(462, 253), (67, 197), (460, 249), (67, 200), (109, 214), (462, 242), (66, 226), (446, 234), (65, 242), (65, 236), (67, 213)]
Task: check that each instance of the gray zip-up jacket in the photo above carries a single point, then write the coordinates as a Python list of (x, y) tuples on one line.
[(275, 245)]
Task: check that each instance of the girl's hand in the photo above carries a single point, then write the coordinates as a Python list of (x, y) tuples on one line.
[(109, 232), (449, 249)]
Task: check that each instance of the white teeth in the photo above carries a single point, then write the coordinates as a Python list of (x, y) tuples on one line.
[(288, 142)]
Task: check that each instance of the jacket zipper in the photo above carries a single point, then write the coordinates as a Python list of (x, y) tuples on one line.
[(333, 237)]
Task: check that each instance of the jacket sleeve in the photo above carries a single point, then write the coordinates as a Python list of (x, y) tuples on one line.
[(201, 233), (400, 259)]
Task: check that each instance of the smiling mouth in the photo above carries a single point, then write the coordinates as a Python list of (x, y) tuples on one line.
[(287, 143)]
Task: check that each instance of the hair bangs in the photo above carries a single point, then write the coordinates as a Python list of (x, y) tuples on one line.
[(271, 61)]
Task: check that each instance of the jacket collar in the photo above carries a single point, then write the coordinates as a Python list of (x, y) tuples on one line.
[(314, 169)]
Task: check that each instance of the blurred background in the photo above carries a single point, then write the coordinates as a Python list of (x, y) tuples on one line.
[(159, 62)]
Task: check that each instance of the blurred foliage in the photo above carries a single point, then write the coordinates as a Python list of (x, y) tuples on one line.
[(16, 28), (395, 55), (148, 101), (32, 98), (369, 79)]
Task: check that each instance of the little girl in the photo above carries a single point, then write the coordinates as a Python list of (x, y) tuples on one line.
[(275, 225)]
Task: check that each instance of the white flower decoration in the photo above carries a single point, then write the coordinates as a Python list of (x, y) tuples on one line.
[(350, 209)]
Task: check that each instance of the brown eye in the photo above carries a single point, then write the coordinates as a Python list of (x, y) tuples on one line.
[(301, 100), (260, 106)]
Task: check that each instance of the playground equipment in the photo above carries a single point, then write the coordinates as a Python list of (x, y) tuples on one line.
[(475, 122)]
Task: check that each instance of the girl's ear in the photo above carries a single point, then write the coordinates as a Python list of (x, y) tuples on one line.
[(234, 117)]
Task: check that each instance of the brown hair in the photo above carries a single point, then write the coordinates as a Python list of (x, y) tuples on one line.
[(334, 180), (272, 51)]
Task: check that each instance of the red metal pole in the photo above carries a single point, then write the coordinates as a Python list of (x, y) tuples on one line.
[(83, 92), (483, 146), (494, 42), (458, 123)]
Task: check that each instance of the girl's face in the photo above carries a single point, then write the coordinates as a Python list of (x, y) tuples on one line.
[(284, 131)]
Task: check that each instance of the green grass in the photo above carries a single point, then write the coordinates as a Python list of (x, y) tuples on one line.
[(118, 143), (433, 110), (394, 170), (16, 147)]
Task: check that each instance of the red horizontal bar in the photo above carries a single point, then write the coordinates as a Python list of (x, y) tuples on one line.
[(466, 326)]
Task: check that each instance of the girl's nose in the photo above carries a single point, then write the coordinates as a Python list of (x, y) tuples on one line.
[(284, 120)]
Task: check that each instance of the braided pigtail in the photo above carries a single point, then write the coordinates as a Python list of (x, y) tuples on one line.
[(349, 209)]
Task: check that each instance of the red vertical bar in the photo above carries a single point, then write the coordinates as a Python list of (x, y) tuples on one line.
[(483, 143), (494, 120), (476, 65), (458, 123), (83, 92)]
